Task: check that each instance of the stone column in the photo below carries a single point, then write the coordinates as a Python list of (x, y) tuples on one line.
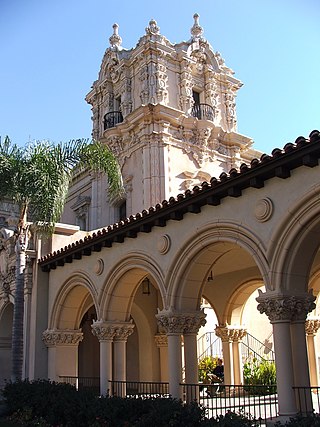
[(105, 333), (282, 310), (224, 333), (173, 324), (122, 331), (236, 335), (162, 343), (62, 353), (193, 322), (312, 326)]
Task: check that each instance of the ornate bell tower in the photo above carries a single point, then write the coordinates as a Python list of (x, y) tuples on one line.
[(168, 112)]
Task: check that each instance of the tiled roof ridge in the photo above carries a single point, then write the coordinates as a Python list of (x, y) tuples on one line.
[(231, 184)]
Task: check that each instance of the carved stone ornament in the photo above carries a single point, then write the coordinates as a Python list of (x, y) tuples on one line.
[(285, 307), (98, 267), (161, 340), (180, 322), (115, 40), (55, 337), (153, 28), (112, 330), (164, 244), (312, 326), (230, 334), (196, 30), (263, 209)]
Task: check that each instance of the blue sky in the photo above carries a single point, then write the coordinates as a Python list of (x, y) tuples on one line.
[(51, 51)]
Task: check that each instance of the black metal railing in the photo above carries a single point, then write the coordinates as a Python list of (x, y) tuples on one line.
[(139, 388), (202, 112), (112, 118), (90, 383), (258, 402), (307, 399)]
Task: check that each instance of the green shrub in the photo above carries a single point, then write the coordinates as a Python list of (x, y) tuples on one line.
[(311, 420), (206, 367), (56, 403), (231, 419), (262, 373)]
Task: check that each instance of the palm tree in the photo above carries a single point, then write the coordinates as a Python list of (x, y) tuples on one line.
[(37, 178)]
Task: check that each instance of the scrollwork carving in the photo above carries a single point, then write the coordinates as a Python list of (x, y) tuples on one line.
[(181, 323), (55, 337), (230, 334), (285, 307)]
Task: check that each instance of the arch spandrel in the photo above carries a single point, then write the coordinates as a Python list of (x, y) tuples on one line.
[(295, 245), (120, 286), (76, 295), (213, 248)]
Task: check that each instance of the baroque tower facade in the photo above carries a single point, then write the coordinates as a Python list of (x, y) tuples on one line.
[(168, 113)]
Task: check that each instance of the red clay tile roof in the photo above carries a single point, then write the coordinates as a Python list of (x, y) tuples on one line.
[(304, 152)]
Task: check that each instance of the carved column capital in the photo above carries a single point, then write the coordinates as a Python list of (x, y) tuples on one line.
[(112, 330), (56, 337), (104, 331), (174, 322), (161, 340), (312, 326), (289, 308), (230, 334), (123, 330)]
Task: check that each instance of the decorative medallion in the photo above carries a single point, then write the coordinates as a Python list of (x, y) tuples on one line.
[(98, 267), (164, 244), (263, 209)]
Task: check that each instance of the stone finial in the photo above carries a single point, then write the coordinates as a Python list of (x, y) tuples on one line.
[(115, 40), (153, 27), (196, 30)]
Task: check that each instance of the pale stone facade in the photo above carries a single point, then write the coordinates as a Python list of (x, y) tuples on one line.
[(168, 113), (122, 303)]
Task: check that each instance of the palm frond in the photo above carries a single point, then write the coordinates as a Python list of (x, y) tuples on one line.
[(38, 176)]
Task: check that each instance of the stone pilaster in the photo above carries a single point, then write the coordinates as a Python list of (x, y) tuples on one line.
[(62, 352)]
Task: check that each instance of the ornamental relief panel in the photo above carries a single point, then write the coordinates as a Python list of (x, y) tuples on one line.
[(54, 337)]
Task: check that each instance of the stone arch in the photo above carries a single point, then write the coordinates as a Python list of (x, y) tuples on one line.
[(76, 295), (120, 286), (194, 262), (294, 245)]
